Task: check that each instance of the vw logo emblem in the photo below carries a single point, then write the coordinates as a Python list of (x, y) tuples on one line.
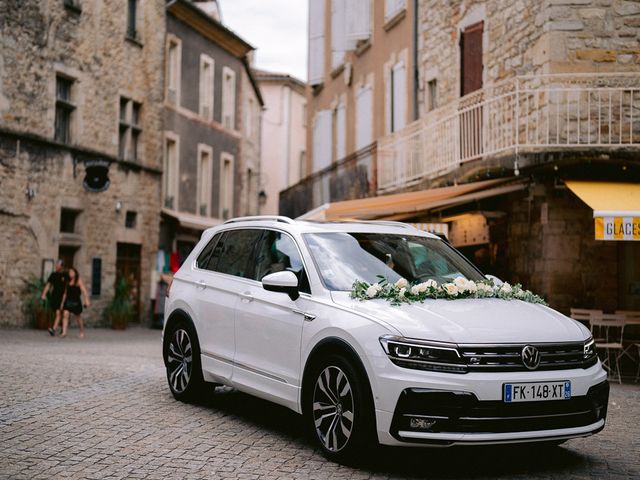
[(530, 357)]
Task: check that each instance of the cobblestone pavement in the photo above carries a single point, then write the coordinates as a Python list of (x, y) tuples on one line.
[(100, 408)]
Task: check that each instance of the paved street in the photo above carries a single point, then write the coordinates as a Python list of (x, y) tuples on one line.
[(100, 408)]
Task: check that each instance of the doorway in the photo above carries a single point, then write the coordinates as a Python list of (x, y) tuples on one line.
[(128, 267), (67, 253)]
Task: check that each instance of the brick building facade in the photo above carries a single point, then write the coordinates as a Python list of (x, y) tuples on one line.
[(80, 103)]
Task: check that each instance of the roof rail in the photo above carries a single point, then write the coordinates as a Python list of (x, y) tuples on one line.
[(257, 218), (390, 223)]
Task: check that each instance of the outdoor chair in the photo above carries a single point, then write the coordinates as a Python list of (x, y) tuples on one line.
[(608, 331), (584, 315)]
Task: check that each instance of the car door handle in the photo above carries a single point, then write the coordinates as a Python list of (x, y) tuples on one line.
[(246, 297), (309, 317), (201, 284)]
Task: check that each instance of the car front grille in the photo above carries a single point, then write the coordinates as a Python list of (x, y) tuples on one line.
[(508, 358)]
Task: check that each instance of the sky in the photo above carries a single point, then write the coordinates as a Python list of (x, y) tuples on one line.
[(276, 28)]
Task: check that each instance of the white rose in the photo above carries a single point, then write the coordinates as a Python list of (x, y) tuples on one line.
[(451, 289), (401, 283), (415, 290), (506, 288), (431, 283), (472, 287), (402, 291), (377, 287), (461, 283), (372, 291)]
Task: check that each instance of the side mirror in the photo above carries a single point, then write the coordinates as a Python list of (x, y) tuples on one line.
[(496, 281), (284, 282)]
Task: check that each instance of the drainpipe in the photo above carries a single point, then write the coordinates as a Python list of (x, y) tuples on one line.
[(416, 70)]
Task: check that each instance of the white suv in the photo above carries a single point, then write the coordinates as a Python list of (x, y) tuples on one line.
[(263, 304)]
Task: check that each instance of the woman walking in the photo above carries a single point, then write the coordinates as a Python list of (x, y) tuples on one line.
[(72, 301)]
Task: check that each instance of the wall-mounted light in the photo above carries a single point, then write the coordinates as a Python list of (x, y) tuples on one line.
[(30, 192), (118, 206)]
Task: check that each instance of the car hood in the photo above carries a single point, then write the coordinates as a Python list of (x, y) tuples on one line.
[(482, 320)]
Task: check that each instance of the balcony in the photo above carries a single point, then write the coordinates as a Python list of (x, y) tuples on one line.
[(349, 178), (531, 114)]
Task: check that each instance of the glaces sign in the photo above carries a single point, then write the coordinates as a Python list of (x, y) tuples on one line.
[(617, 228)]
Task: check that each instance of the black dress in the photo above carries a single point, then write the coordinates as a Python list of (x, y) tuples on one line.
[(73, 303), (57, 281)]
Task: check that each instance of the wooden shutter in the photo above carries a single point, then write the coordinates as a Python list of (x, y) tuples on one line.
[(338, 38), (364, 117), (341, 125), (399, 97), (471, 58), (322, 142), (316, 42), (358, 21)]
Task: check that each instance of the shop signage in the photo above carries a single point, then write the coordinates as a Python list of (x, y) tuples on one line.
[(617, 228)]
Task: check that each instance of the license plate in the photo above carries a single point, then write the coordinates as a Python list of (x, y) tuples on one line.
[(536, 392)]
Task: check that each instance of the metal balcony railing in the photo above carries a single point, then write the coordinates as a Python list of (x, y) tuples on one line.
[(523, 115)]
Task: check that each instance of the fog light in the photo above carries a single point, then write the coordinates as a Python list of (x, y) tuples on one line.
[(421, 423)]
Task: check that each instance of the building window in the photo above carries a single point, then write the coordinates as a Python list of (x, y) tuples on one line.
[(129, 129), (170, 173), (132, 13), (338, 33), (393, 7), (206, 86), (364, 117), (68, 219), (73, 5), (432, 94), (322, 140), (226, 186), (174, 62), (250, 117), (205, 178), (303, 166), (228, 98), (316, 42), (397, 97), (130, 219), (64, 109), (340, 123)]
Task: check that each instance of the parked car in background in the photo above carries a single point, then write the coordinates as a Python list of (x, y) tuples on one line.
[(264, 304)]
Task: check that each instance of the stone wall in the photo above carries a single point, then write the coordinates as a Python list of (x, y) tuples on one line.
[(526, 37), (555, 253), (40, 40)]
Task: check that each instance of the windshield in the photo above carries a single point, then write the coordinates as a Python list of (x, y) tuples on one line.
[(342, 258)]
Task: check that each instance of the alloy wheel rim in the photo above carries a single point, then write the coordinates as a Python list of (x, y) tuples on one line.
[(333, 410), (180, 360)]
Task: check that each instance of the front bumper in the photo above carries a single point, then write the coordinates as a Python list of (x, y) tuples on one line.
[(468, 409)]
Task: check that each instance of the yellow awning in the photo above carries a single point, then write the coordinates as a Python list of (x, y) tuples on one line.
[(402, 206), (616, 208)]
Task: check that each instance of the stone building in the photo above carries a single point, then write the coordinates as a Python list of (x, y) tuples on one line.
[(284, 135), (80, 145), (211, 127), (525, 145)]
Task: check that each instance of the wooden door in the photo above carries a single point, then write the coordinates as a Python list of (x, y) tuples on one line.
[(128, 267), (471, 117)]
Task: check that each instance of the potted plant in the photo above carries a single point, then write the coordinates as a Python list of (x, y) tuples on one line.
[(120, 309), (36, 309)]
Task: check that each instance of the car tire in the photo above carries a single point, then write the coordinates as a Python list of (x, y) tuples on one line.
[(182, 360), (339, 409)]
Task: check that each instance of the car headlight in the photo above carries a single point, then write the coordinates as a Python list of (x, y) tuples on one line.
[(589, 350), (423, 355)]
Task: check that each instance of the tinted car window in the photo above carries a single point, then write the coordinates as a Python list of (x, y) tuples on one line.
[(233, 255), (277, 252), (203, 258)]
